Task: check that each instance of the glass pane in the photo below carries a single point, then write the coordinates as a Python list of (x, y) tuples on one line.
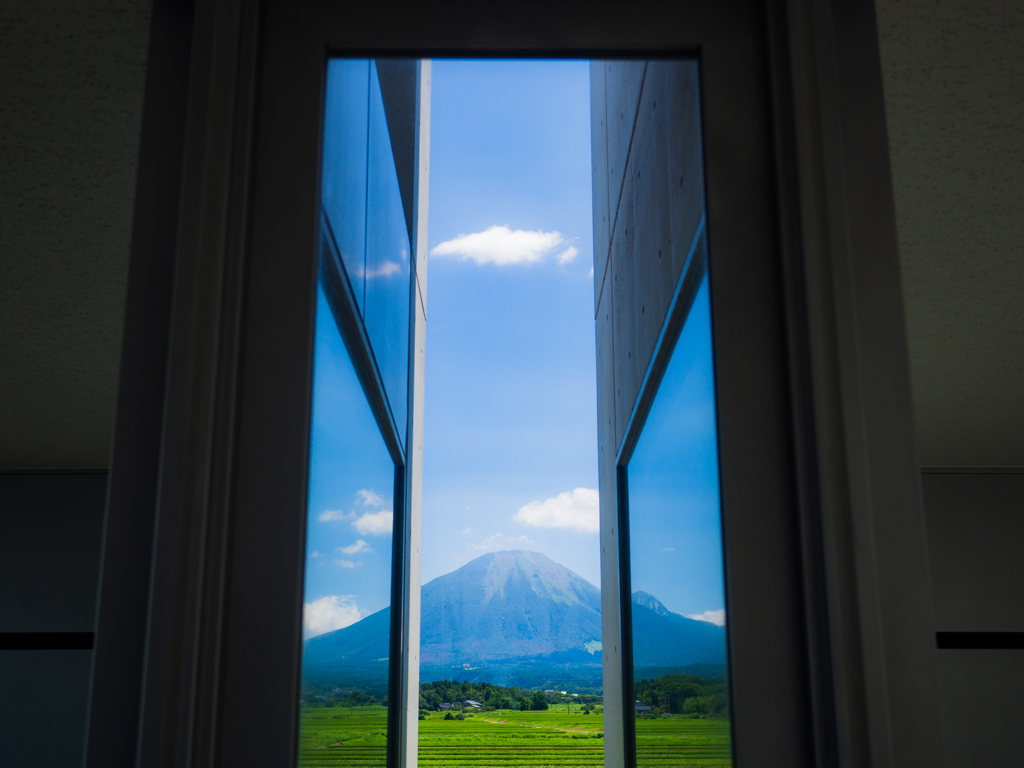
[(346, 616), (676, 571), (387, 262), (344, 175)]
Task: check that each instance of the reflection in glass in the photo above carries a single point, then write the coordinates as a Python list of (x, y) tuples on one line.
[(344, 174), (675, 556), (387, 261), (363, 203), (346, 616)]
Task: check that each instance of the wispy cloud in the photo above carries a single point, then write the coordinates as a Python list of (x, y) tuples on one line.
[(500, 541), (334, 514), (329, 613), (579, 509), (374, 523), (504, 246), (368, 498), (668, 549), (345, 563), (359, 546), (466, 530), (712, 617), (568, 255), (315, 554)]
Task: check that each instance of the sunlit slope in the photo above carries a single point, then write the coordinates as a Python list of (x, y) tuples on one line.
[(507, 606)]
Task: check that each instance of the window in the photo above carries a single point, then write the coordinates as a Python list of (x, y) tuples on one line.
[(676, 576), (355, 526)]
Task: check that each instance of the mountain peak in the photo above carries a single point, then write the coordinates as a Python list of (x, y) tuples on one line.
[(522, 606), (647, 600), (507, 604)]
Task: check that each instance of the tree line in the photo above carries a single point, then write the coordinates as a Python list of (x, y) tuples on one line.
[(680, 694), (491, 696)]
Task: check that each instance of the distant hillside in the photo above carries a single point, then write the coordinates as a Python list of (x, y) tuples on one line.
[(519, 608), (665, 639)]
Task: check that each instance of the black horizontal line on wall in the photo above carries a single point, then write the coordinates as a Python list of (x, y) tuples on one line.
[(46, 641), (963, 641)]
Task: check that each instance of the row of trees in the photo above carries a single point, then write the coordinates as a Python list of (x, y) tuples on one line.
[(432, 695), (685, 694)]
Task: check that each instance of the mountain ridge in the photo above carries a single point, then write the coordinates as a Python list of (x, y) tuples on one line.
[(518, 607)]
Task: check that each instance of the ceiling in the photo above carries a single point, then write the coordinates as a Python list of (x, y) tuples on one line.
[(71, 86)]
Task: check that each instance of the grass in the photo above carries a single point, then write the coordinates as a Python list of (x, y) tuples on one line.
[(340, 736)]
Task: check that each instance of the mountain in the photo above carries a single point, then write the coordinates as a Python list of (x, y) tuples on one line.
[(647, 600), (662, 638), (518, 608), (507, 605)]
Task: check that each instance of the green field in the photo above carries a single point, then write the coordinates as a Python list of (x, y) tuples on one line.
[(355, 736)]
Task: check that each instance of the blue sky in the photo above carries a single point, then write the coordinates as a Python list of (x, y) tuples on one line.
[(510, 420), (351, 493), (675, 530)]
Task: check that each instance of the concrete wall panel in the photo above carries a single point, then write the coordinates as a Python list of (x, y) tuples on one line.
[(599, 170), (655, 276), (611, 657), (623, 82), (624, 314), (686, 167)]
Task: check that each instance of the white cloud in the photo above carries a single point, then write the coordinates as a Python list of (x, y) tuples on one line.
[(466, 530), (500, 541), (345, 563), (359, 546), (668, 549), (578, 509), (334, 514), (315, 554), (568, 255), (329, 613), (712, 617), (387, 269), (503, 246), (368, 498), (375, 523)]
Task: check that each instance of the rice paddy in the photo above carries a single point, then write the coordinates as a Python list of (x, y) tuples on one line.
[(356, 736)]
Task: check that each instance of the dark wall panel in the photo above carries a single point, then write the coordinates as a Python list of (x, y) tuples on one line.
[(975, 529), (975, 524), (50, 530)]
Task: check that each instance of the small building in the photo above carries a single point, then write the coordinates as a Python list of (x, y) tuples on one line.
[(642, 708), (445, 706), (473, 704)]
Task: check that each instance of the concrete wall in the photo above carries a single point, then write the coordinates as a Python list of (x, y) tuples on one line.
[(648, 203)]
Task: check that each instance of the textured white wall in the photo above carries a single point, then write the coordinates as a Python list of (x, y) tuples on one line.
[(954, 92), (71, 83)]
